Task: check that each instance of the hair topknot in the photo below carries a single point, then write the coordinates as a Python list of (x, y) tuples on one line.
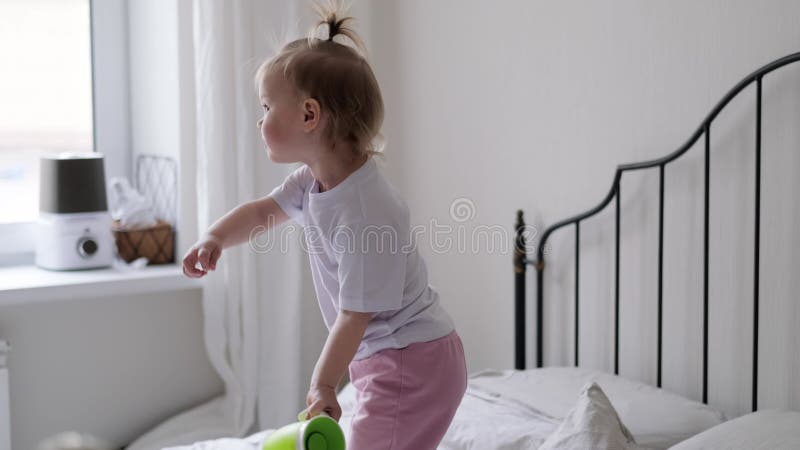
[(332, 15)]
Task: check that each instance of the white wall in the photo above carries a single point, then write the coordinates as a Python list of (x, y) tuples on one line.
[(531, 104), (110, 366), (111, 102), (153, 47), (162, 97)]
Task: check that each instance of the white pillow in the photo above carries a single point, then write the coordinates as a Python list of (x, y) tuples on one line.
[(591, 424), (656, 417), (761, 430)]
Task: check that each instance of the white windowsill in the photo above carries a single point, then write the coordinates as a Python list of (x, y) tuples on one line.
[(28, 283)]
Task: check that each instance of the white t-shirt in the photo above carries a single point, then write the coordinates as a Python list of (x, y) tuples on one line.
[(364, 258)]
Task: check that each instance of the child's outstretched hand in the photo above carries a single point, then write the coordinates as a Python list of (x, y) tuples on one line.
[(322, 399), (206, 252)]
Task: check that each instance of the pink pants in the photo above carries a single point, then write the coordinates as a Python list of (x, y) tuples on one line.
[(406, 398)]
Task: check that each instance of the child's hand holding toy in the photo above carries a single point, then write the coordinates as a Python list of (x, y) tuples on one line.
[(322, 399)]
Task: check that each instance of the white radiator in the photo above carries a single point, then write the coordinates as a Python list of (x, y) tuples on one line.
[(5, 415)]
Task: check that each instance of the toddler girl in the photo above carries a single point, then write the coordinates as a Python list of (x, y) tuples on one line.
[(323, 108)]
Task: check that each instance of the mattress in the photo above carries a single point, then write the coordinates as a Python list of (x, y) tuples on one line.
[(513, 409)]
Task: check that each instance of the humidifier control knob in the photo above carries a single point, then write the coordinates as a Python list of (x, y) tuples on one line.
[(87, 247)]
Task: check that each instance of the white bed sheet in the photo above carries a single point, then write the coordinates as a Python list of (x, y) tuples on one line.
[(656, 417), (511, 410), (483, 422), (486, 421)]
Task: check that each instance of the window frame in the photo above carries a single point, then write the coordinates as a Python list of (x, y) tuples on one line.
[(111, 127)]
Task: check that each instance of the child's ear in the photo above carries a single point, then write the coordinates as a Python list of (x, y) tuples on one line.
[(311, 114)]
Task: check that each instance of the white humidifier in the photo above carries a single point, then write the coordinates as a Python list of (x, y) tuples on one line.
[(74, 228)]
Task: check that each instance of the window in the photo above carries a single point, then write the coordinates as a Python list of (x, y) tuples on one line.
[(46, 92), (64, 86)]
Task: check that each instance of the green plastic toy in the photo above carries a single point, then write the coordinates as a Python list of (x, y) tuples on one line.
[(318, 433)]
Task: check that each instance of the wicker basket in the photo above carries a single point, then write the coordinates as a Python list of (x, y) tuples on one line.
[(156, 243)]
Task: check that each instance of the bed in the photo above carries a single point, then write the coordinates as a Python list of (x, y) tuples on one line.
[(573, 407)]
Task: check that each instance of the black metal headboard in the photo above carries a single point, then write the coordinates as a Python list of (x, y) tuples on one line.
[(521, 260)]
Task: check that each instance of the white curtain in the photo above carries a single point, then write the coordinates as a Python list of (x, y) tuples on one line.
[(252, 301)]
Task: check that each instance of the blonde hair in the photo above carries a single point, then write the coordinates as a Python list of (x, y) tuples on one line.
[(338, 76)]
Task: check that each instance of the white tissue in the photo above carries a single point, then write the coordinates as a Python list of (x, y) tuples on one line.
[(129, 206), (136, 264)]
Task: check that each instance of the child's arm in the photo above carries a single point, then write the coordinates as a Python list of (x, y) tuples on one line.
[(236, 227), (340, 347), (232, 229)]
